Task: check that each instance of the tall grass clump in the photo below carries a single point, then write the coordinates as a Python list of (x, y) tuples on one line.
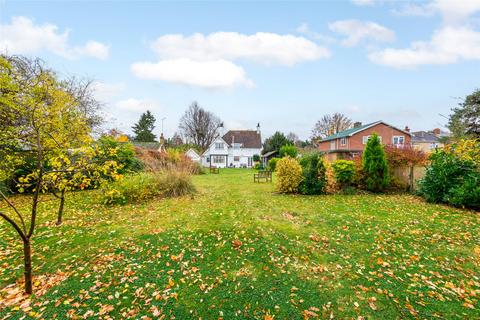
[(145, 186)]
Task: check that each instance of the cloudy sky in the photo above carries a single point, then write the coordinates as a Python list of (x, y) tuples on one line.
[(283, 64)]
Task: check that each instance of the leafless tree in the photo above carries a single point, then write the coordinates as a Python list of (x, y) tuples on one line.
[(293, 137), (84, 93), (330, 124), (199, 126)]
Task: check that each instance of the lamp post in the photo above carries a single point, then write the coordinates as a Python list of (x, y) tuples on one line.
[(162, 139)]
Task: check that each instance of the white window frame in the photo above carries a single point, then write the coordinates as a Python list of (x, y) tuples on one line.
[(237, 145), (219, 145), (218, 159), (343, 141), (398, 140), (365, 139)]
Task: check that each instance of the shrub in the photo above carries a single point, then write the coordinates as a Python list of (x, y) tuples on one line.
[(288, 150), (123, 153), (256, 158), (332, 185), (176, 183), (314, 174), (258, 166), (272, 164), (344, 172), (289, 175), (375, 165), (466, 149), (132, 188), (144, 186), (404, 157), (452, 180), (156, 161)]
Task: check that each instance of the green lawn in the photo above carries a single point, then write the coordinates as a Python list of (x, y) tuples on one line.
[(238, 250)]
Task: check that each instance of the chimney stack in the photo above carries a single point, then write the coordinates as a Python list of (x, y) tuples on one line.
[(407, 129), (357, 124), (436, 131)]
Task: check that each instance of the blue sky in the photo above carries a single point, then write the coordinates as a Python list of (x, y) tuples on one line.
[(283, 64)]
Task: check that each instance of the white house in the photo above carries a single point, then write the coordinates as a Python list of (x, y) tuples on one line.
[(236, 149), (193, 155)]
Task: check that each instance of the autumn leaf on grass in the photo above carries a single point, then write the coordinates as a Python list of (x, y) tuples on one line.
[(371, 303), (307, 314), (382, 263), (105, 309), (314, 238), (476, 251), (236, 243)]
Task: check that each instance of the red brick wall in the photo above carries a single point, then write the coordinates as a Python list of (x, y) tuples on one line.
[(386, 132), (355, 142)]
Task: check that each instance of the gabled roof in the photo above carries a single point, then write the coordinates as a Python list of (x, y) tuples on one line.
[(350, 132), (192, 151), (248, 138), (423, 136)]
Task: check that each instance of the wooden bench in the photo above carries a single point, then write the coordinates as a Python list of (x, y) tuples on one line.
[(262, 176), (214, 170)]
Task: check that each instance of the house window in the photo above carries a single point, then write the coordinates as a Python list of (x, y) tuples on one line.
[(343, 141), (218, 159), (398, 140), (236, 158), (433, 145), (208, 159), (218, 145), (332, 145), (237, 145)]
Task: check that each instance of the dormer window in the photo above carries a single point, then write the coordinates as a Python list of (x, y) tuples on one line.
[(237, 145), (219, 146)]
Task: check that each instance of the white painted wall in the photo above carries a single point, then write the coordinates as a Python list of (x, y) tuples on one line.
[(193, 155), (229, 155)]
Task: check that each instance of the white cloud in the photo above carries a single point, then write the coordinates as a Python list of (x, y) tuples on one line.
[(105, 91), (452, 11), (305, 29), (357, 31), (215, 74), (448, 45), (137, 105), (263, 47), (207, 61), (414, 10), (363, 2), (455, 11), (23, 36), (93, 49)]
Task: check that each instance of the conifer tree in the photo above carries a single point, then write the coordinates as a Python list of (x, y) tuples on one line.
[(143, 129), (375, 165)]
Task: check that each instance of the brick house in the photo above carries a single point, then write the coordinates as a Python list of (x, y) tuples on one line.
[(351, 142)]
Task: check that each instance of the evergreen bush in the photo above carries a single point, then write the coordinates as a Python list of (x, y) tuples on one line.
[(374, 164), (314, 174)]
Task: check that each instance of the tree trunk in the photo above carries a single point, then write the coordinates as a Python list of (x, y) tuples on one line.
[(60, 208), (27, 256)]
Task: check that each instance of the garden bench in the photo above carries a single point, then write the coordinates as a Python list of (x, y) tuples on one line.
[(214, 170), (262, 176)]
